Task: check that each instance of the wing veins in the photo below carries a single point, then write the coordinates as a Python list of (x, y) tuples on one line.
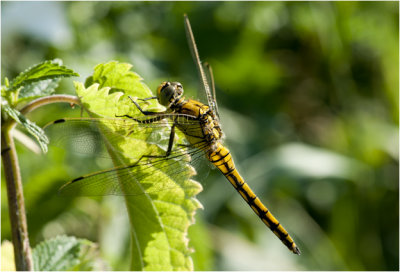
[(108, 179)]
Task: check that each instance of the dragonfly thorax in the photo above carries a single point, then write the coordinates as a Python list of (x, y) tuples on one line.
[(169, 92)]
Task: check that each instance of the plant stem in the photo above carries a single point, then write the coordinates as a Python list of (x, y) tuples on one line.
[(16, 203), (20, 238)]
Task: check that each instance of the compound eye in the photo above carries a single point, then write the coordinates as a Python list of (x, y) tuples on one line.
[(166, 92), (162, 86)]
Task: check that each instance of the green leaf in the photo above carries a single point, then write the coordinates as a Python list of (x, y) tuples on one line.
[(63, 253), (39, 89), (46, 70), (118, 76), (30, 126), (159, 220)]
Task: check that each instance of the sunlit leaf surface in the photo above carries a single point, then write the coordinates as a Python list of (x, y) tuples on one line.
[(160, 196)]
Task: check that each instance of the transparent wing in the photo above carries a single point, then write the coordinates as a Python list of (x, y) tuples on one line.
[(210, 77), (88, 135), (196, 59), (136, 175)]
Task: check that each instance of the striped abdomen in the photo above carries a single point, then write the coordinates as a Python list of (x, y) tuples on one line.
[(222, 159)]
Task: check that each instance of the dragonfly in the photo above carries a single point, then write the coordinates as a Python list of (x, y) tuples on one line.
[(198, 122)]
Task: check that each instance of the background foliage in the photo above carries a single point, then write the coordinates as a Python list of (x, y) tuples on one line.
[(308, 94)]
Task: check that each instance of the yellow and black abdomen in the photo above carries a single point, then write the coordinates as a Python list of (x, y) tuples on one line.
[(222, 159), (208, 135)]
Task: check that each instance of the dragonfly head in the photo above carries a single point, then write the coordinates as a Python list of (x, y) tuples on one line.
[(169, 92)]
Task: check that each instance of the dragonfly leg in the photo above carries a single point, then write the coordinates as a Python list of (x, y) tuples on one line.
[(169, 149), (159, 114), (145, 112), (148, 98), (171, 140)]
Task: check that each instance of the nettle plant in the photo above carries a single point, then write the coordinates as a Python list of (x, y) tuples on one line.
[(159, 222)]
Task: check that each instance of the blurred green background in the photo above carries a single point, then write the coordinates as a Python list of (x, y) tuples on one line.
[(308, 93)]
